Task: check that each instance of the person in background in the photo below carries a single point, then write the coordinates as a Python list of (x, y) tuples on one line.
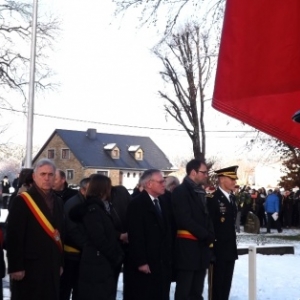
[(61, 188), (5, 185), (287, 208), (2, 263), (101, 253), (137, 190), (25, 181), (117, 208), (272, 210), (75, 240), (15, 182), (194, 232), (222, 209), (150, 241), (33, 241)]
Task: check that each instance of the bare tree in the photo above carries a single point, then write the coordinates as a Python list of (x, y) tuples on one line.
[(15, 37), (188, 67), (171, 10)]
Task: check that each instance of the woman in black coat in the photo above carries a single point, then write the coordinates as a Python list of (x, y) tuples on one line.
[(102, 252)]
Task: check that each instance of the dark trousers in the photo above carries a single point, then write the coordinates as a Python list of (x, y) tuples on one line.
[(189, 284), (270, 220), (69, 280), (221, 279)]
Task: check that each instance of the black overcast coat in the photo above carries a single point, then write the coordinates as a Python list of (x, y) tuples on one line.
[(149, 243), (30, 248), (101, 253)]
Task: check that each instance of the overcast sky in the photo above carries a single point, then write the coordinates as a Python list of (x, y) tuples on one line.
[(108, 75)]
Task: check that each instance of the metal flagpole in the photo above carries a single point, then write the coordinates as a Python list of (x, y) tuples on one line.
[(28, 160)]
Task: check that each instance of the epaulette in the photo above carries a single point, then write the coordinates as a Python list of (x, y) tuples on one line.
[(209, 195)]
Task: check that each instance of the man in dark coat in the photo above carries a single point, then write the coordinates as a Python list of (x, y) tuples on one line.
[(223, 211), (61, 188), (194, 232), (149, 238), (34, 247)]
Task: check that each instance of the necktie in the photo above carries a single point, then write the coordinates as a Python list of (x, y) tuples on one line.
[(157, 206), (231, 197)]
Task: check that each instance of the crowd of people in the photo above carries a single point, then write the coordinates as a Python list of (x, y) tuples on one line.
[(286, 204), (66, 244)]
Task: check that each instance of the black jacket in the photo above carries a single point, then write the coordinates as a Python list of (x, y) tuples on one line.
[(149, 243), (101, 253), (30, 248), (191, 215), (223, 214)]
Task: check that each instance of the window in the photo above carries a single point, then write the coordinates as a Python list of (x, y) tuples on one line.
[(65, 153), (115, 153), (70, 174), (103, 172), (139, 155), (51, 154)]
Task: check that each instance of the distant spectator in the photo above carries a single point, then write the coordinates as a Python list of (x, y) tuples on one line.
[(5, 185), (16, 182), (171, 183), (272, 209)]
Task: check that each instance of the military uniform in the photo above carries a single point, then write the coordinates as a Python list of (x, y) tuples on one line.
[(222, 209)]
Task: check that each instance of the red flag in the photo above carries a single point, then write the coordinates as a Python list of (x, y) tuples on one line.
[(258, 71)]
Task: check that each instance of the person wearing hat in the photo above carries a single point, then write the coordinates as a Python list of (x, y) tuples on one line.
[(223, 210)]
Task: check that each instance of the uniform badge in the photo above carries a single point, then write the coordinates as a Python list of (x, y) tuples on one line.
[(222, 219)]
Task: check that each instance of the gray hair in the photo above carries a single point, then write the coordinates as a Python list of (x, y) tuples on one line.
[(84, 182), (171, 182), (44, 162), (147, 175)]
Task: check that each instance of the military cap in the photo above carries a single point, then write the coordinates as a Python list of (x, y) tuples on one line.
[(230, 172)]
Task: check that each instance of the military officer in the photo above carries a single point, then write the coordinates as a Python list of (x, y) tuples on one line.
[(223, 210)]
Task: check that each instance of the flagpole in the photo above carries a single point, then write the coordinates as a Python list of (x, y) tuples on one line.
[(28, 158)]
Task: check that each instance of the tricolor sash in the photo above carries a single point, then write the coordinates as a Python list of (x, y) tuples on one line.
[(40, 217), (184, 234)]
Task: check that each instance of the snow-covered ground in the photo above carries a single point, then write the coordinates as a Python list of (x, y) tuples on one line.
[(278, 277)]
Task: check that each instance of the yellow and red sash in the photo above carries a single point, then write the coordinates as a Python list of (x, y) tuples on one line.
[(40, 217), (184, 234)]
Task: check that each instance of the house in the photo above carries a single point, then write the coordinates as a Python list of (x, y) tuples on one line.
[(123, 158)]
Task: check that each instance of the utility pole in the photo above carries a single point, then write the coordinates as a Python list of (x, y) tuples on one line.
[(28, 158)]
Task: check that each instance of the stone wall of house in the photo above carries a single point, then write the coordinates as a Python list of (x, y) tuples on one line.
[(57, 144)]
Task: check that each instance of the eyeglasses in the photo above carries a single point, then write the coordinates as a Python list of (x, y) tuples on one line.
[(159, 181), (203, 172)]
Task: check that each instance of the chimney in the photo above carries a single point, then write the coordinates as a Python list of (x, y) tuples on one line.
[(91, 133)]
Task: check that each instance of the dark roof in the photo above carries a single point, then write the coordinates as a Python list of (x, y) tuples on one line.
[(91, 153)]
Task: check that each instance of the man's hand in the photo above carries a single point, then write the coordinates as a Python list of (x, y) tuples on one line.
[(17, 275), (144, 269), (124, 238)]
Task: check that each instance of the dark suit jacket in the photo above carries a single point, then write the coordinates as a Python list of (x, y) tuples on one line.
[(223, 215), (192, 215), (30, 248), (149, 243)]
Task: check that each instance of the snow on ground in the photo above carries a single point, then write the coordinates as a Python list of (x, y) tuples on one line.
[(278, 277)]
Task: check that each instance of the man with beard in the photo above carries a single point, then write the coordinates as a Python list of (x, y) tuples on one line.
[(223, 210), (33, 241), (194, 232)]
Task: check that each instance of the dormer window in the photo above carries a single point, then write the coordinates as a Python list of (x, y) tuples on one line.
[(137, 151), (115, 153), (113, 150)]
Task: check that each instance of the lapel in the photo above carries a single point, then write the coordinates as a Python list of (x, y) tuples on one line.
[(40, 202), (151, 208), (196, 199)]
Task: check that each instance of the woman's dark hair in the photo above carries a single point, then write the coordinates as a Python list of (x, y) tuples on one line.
[(100, 187)]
